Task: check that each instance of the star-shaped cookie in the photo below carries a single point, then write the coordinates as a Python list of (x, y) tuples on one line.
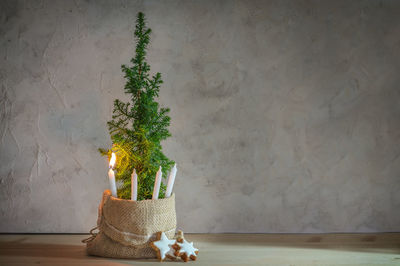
[(184, 249), (162, 246)]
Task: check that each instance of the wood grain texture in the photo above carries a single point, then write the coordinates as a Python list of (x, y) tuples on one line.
[(219, 249)]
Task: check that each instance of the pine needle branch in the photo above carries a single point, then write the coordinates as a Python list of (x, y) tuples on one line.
[(138, 127)]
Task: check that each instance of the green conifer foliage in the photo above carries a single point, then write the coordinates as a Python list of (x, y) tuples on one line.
[(138, 127)]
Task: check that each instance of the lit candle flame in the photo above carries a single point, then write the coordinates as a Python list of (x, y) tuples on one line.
[(113, 159)]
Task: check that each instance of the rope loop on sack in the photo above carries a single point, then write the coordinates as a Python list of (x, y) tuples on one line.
[(128, 235), (90, 238)]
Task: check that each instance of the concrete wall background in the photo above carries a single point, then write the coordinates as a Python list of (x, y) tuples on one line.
[(285, 114)]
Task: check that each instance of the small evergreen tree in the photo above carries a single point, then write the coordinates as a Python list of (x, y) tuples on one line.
[(138, 127)]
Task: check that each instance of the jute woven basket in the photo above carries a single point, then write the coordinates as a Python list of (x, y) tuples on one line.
[(127, 227)]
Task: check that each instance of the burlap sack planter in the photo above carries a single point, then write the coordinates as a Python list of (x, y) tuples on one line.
[(127, 227)]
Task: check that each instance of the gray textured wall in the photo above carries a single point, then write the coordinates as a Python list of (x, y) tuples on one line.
[(285, 114)]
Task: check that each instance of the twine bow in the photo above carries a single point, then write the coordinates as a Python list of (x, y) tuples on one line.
[(93, 235)]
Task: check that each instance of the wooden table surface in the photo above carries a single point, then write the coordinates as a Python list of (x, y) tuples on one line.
[(219, 249)]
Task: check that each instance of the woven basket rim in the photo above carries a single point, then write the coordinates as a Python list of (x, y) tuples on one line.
[(107, 192)]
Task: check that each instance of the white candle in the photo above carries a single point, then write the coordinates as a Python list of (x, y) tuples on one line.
[(134, 185), (171, 180), (111, 176), (157, 184)]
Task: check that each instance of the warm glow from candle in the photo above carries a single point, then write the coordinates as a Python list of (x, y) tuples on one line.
[(113, 159), (111, 176)]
